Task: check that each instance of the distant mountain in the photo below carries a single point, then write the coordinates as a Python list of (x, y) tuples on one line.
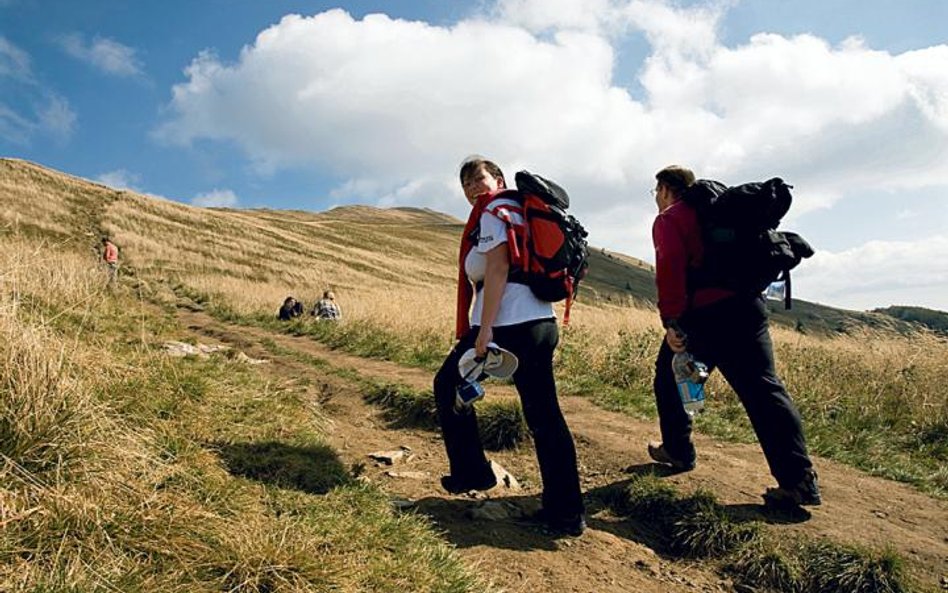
[(935, 320)]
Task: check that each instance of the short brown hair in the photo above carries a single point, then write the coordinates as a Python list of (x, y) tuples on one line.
[(471, 164), (676, 178)]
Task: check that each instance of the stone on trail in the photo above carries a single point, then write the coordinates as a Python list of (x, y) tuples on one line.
[(408, 475), (505, 479), (392, 457)]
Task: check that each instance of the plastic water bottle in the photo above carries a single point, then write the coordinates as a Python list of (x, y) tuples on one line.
[(690, 375)]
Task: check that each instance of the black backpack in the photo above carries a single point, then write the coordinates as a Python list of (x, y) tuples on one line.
[(548, 252), (743, 251)]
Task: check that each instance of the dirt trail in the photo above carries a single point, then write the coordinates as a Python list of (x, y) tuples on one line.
[(612, 555)]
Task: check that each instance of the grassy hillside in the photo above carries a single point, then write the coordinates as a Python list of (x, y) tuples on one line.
[(98, 417), (364, 253)]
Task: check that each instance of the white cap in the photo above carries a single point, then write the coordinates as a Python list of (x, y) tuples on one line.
[(498, 363)]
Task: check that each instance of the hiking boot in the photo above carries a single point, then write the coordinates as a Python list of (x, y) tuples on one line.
[(458, 486), (571, 525), (658, 453), (805, 493)]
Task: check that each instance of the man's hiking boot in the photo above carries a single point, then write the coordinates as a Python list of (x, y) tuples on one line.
[(456, 486), (571, 525), (658, 453), (805, 493)]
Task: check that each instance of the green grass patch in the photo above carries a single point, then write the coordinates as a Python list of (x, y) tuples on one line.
[(501, 423), (696, 526)]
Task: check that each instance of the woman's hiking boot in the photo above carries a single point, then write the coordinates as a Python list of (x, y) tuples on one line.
[(805, 493), (658, 453), (455, 485)]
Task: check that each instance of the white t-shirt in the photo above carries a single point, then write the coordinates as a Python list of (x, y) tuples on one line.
[(518, 304)]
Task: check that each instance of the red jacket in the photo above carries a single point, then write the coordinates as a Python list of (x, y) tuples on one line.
[(677, 239)]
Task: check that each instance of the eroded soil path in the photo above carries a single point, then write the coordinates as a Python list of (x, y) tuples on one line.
[(614, 554)]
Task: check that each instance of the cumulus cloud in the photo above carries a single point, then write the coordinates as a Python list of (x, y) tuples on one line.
[(121, 179), (588, 15), (107, 55), (216, 198), (910, 272), (389, 106)]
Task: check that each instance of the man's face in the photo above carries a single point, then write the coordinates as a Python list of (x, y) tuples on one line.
[(480, 182), (663, 196), (657, 192)]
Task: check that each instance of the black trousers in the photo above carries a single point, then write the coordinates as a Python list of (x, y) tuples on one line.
[(533, 344), (732, 335)]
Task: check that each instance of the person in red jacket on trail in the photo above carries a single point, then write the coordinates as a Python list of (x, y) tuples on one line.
[(725, 330)]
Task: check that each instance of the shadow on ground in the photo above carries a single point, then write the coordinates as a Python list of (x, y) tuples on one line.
[(313, 469)]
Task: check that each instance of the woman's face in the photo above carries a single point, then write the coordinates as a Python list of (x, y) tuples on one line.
[(480, 182)]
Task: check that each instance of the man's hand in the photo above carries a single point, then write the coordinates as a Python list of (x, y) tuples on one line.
[(675, 340)]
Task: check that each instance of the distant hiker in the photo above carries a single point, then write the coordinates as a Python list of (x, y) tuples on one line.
[(510, 315), (291, 308), (326, 307), (727, 330), (110, 256)]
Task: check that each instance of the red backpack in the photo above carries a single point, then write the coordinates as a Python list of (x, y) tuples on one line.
[(548, 251)]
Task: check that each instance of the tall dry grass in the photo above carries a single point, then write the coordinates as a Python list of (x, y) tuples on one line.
[(121, 469)]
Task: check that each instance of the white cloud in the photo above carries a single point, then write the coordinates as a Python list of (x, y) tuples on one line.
[(390, 106), (14, 62), (13, 127), (216, 198), (121, 179), (909, 272), (57, 119), (107, 55), (53, 117), (585, 15)]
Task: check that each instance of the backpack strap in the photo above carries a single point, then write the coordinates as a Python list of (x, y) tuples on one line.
[(518, 250), (786, 296), (569, 299)]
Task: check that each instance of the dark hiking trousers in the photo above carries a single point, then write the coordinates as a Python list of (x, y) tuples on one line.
[(532, 343), (732, 336)]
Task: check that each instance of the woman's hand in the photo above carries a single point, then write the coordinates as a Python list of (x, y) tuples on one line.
[(484, 337), (675, 340)]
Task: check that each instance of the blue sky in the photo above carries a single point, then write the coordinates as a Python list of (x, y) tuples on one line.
[(240, 103)]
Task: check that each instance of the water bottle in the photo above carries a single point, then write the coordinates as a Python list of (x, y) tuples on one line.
[(468, 392), (690, 375)]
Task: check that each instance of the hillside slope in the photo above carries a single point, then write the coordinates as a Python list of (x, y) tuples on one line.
[(355, 248), (221, 271)]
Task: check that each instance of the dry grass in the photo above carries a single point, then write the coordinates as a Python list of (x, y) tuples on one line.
[(394, 271), (115, 461), (121, 469)]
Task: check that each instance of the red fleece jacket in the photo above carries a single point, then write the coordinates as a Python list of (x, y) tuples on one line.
[(678, 247)]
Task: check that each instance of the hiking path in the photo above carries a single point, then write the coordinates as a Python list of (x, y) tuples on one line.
[(615, 554)]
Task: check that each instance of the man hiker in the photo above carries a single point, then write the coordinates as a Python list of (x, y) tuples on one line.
[(725, 330), (110, 257)]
